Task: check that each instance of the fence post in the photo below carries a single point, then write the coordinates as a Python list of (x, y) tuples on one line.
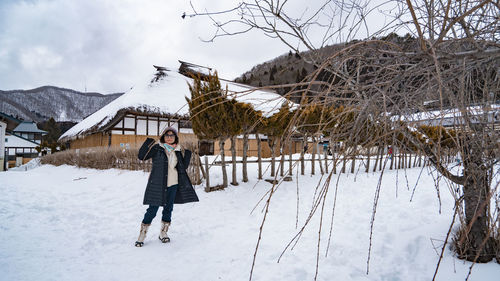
[(282, 160), (197, 168), (259, 155), (200, 165), (207, 187), (325, 151)]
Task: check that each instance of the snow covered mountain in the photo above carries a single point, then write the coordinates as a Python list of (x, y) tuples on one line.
[(44, 102)]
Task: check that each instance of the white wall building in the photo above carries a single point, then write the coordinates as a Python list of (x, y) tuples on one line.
[(3, 127), (19, 150)]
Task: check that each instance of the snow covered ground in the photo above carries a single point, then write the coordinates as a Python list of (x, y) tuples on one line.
[(65, 223)]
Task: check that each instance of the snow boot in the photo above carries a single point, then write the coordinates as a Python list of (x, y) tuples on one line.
[(142, 235), (163, 233)]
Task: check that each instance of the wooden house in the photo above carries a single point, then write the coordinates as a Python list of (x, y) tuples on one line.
[(29, 131), (156, 102), (19, 140), (144, 111), (21, 143)]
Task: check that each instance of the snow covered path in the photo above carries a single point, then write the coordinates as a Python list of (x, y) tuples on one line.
[(65, 223)]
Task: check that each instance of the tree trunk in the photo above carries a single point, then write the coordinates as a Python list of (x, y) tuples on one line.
[(477, 245), (392, 157), (197, 166), (334, 158), (244, 160), (223, 162), (325, 153), (381, 157), (290, 161), (207, 177), (313, 156), (400, 160), (272, 146), (377, 159), (282, 159), (203, 173), (368, 160), (344, 160), (259, 155), (353, 163), (302, 152), (234, 181), (319, 159)]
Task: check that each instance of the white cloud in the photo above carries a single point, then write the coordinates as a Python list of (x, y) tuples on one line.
[(104, 45), (39, 58)]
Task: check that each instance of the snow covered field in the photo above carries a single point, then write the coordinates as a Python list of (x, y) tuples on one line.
[(65, 223)]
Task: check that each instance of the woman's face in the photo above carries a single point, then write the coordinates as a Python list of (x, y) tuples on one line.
[(169, 137)]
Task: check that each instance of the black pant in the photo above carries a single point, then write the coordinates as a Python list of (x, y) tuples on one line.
[(167, 209)]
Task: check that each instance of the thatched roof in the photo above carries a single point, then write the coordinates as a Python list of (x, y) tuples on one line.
[(163, 94)]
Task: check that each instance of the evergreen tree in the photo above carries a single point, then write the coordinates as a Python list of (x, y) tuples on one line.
[(233, 129), (249, 120), (205, 103), (53, 131), (275, 128), (208, 113)]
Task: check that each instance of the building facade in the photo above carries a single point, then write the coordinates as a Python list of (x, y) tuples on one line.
[(3, 127)]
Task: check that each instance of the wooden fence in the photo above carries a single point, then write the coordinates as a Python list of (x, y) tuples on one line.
[(337, 164), (285, 164)]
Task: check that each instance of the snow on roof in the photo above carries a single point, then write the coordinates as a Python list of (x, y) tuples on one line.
[(28, 127), (267, 101), (166, 96), (13, 141), (451, 116)]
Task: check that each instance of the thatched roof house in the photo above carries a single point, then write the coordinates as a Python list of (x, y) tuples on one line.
[(154, 103)]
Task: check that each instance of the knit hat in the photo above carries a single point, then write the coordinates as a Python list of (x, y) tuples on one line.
[(170, 128)]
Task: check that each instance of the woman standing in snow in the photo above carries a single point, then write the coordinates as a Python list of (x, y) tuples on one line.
[(168, 182)]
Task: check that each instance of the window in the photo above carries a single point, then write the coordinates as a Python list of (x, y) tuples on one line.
[(152, 127), (129, 123), (141, 127), (163, 125), (119, 124)]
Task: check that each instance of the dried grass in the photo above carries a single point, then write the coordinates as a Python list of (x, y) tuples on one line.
[(99, 158), (110, 158)]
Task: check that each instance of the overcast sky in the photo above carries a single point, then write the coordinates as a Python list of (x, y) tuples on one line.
[(104, 45)]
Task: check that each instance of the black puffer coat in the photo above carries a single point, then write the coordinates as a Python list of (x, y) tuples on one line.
[(157, 181)]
